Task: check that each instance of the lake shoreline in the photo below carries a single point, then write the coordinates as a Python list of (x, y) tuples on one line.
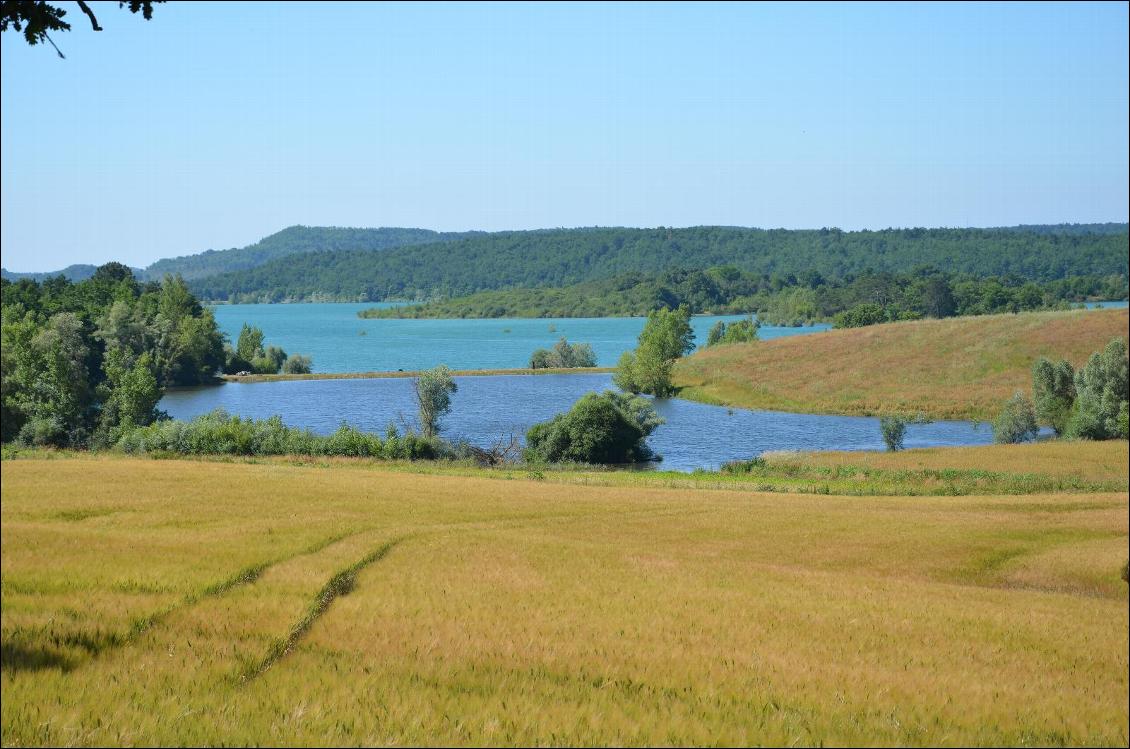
[(247, 379)]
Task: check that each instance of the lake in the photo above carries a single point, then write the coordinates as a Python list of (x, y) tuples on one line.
[(487, 408), (339, 341)]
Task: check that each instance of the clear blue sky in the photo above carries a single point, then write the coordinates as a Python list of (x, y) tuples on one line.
[(213, 125)]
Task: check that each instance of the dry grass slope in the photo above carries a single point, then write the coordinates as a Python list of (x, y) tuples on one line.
[(955, 368), (442, 609)]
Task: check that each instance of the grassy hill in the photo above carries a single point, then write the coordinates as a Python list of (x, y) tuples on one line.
[(186, 602), (954, 368)]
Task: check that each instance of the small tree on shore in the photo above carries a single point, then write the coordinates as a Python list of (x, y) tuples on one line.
[(1053, 390), (433, 388)]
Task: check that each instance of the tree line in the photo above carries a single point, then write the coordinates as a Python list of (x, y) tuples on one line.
[(83, 363), (778, 299), (560, 258)]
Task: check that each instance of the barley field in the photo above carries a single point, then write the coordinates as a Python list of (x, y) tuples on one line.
[(208, 602), (956, 368)]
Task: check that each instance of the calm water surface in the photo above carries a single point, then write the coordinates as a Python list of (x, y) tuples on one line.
[(339, 341), (486, 408)]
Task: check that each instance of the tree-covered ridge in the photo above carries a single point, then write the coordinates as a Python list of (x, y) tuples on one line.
[(295, 240), (565, 257), (77, 272), (778, 300)]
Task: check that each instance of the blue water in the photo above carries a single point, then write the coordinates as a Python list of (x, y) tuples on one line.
[(339, 341), (1106, 305), (485, 409)]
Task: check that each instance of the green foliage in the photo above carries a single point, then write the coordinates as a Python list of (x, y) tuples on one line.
[(296, 240), (81, 360), (1102, 393), (860, 315), (566, 257), (297, 364), (433, 388), (893, 429), (250, 344), (1053, 390), (666, 336), (1016, 421), (742, 331), (219, 433), (34, 18), (605, 428), (563, 355)]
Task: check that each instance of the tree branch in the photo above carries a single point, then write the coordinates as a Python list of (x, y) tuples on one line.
[(89, 14)]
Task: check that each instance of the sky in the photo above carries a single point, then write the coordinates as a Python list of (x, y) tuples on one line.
[(213, 125)]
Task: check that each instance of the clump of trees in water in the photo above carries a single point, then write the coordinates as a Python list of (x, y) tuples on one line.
[(249, 356), (1091, 403), (84, 363), (563, 355), (605, 428), (666, 336)]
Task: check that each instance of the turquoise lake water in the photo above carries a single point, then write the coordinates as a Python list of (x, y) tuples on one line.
[(339, 341)]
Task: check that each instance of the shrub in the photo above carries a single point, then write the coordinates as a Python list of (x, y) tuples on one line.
[(742, 331), (297, 364), (563, 355), (219, 433), (893, 429), (601, 428), (861, 315), (1016, 421)]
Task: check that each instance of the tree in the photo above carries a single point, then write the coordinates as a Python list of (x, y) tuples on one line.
[(1016, 421), (893, 429), (249, 346), (433, 388), (297, 364), (717, 332), (1053, 390), (666, 336), (35, 17), (604, 428), (1101, 391)]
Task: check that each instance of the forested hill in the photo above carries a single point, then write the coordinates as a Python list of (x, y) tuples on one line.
[(73, 273), (567, 256), (295, 240)]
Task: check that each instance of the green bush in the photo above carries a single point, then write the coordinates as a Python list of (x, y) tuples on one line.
[(861, 315), (297, 364), (1016, 421), (893, 429), (563, 355), (605, 428), (219, 433), (742, 331)]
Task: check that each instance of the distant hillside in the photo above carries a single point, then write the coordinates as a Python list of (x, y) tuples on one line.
[(505, 260), (72, 272), (961, 367), (295, 240)]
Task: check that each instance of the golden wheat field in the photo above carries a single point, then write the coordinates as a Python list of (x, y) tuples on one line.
[(956, 368), (196, 602)]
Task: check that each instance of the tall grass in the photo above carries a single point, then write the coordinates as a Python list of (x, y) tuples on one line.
[(519, 612)]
